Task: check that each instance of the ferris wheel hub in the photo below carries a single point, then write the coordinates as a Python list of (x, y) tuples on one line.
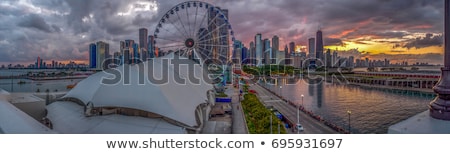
[(189, 43)]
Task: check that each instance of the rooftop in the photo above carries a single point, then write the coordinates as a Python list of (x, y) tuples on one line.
[(68, 117)]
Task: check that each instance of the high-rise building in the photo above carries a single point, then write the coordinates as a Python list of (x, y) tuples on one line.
[(102, 54), (334, 58), (92, 55), (258, 49), (136, 55), (311, 47), (319, 45), (128, 51), (117, 58), (245, 55), (151, 47), (291, 52), (275, 47), (267, 52), (220, 38), (39, 63), (351, 62), (328, 59), (287, 56), (280, 58), (237, 55), (143, 43), (252, 53)]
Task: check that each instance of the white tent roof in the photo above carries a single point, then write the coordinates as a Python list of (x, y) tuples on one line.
[(15, 121), (68, 118), (173, 100)]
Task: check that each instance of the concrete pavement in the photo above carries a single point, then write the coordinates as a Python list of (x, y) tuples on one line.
[(239, 125)]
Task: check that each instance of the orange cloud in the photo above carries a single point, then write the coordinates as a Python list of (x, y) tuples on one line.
[(348, 31)]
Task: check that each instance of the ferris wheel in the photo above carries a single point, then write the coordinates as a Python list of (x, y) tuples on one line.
[(197, 30)]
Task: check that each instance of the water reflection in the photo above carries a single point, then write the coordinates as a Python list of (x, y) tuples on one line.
[(373, 110)]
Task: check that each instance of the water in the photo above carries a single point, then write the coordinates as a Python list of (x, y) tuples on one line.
[(12, 85), (372, 110), (32, 86)]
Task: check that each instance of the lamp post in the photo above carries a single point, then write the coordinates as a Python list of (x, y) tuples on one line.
[(298, 115), (302, 100), (281, 95), (270, 108), (279, 127), (440, 107), (271, 132), (349, 126)]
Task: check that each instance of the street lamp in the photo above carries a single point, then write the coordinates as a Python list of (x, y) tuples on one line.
[(349, 126), (279, 127), (270, 108), (302, 100), (281, 93)]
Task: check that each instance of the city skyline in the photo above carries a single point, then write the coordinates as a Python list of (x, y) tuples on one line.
[(62, 31)]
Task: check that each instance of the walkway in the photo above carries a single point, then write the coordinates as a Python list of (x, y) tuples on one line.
[(239, 125), (310, 125)]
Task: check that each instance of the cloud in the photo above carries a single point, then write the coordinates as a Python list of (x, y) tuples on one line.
[(35, 21), (29, 26), (398, 51), (333, 42), (427, 41)]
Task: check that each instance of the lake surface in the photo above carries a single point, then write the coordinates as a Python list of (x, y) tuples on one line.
[(372, 110)]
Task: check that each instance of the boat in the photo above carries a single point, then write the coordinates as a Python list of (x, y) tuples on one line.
[(70, 86), (21, 82)]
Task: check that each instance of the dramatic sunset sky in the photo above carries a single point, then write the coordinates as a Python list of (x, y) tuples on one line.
[(62, 29)]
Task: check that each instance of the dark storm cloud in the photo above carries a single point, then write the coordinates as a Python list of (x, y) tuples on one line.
[(392, 34), (35, 21), (333, 42), (78, 10), (427, 41), (70, 25)]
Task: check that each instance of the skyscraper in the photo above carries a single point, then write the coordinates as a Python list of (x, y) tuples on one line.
[(289, 53), (287, 56), (334, 58), (92, 55), (143, 43), (258, 49), (351, 62), (252, 55), (121, 50), (102, 54), (245, 55), (275, 47), (220, 38), (136, 55), (39, 63), (151, 47), (311, 48), (237, 55), (328, 59), (319, 45), (128, 51), (267, 52)]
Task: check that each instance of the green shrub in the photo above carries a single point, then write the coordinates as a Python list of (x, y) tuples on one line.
[(257, 116), (222, 94)]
